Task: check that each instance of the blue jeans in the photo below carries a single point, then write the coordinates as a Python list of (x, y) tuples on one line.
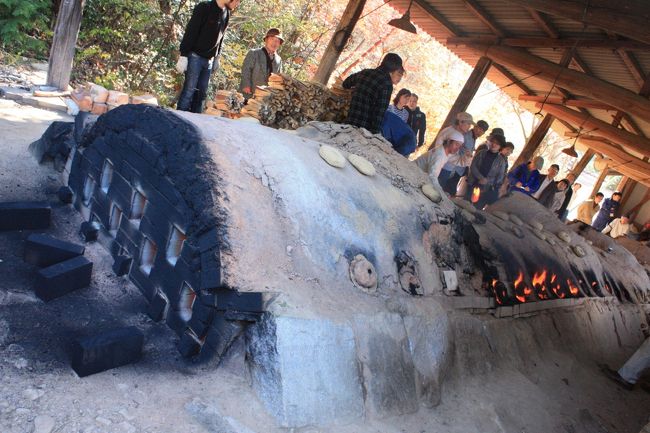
[(195, 88)]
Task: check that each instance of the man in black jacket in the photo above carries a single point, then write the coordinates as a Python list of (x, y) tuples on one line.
[(371, 92), (417, 119), (200, 50)]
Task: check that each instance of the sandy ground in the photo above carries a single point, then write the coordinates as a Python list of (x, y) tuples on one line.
[(164, 393)]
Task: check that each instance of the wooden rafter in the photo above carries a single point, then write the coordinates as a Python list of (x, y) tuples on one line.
[(571, 102), (544, 23), (516, 82), (550, 42), (587, 123), (622, 17), (485, 18), (623, 162), (574, 81), (439, 18)]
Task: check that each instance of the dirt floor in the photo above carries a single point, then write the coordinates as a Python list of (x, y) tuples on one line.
[(164, 393)]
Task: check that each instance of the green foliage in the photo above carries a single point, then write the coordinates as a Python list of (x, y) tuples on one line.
[(25, 26)]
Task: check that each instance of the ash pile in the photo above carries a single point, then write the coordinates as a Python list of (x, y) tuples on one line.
[(329, 255)]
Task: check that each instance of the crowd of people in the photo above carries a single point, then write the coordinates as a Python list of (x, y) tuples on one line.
[(480, 173)]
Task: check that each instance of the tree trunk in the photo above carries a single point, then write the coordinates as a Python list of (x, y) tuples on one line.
[(339, 40), (66, 31)]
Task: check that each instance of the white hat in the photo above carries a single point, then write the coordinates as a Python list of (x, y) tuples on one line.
[(456, 136)]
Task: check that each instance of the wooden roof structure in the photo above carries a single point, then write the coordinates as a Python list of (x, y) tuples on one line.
[(585, 62)]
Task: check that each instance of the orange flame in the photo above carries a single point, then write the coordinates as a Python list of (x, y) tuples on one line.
[(572, 288), (520, 294), (539, 278), (476, 194), (594, 284), (609, 289), (496, 293), (553, 278), (558, 291)]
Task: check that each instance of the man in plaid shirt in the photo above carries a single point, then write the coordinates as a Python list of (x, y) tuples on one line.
[(372, 91)]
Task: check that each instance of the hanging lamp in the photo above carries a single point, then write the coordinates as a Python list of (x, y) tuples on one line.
[(404, 23)]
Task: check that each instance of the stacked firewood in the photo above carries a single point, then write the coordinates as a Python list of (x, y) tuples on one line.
[(288, 103)]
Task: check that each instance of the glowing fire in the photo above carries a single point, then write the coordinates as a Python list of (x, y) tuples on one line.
[(497, 296), (539, 279), (476, 194), (572, 288), (521, 294), (553, 278), (609, 289)]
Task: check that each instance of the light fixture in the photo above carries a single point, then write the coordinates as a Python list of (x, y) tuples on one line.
[(571, 151), (404, 23)]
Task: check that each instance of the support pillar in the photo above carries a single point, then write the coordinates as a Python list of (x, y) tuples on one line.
[(599, 182), (339, 40), (467, 94), (66, 31), (582, 164), (535, 140)]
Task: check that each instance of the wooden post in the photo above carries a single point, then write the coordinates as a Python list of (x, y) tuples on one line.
[(66, 31), (339, 40), (599, 182), (584, 161), (466, 95), (569, 79), (535, 140)]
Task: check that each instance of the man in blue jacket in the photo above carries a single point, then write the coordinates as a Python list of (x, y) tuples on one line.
[(200, 50), (607, 212), (526, 178)]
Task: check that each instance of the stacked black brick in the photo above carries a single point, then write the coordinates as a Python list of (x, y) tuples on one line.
[(142, 177)]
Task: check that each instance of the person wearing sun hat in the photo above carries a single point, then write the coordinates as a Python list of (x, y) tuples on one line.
[(260, 63)]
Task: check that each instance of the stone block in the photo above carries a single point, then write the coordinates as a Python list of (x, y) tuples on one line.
[(450, 280), (221, 335), (89, 231), (62, 278), (158, 307), (99, 108), (189, 344), (503, 311), (65, 194), (387, 366), (43, 250), (430, 343), (305, 371), (251, 302), (25, 215), (107, 350), (210, 269), (122, 265)]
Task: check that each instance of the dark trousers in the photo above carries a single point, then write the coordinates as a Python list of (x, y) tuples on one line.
[(448, 181), (195, 88)]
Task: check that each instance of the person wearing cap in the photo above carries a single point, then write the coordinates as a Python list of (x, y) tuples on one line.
[(526, 177), (487, 172), (260, 63), (200, 50), (458, 164), (417, 119), (371, 92), (432, 161), (495, 131)]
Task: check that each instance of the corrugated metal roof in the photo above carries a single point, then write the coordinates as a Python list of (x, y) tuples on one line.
[(517, 22)]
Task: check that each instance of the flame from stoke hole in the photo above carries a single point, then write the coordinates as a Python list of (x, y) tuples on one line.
[(521, 291), (573, 289), (476, 194)]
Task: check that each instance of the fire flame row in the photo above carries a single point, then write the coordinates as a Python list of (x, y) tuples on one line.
[(540, 288)]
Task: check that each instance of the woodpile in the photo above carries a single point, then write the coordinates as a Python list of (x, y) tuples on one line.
[(287, 103), (98, 100)]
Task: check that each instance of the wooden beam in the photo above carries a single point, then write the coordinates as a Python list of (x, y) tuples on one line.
[(570, 102), (485, 17), (633, 66), (534, 141), (622, 162), (339, 40), (66, 31), (569, 79), (593, 125), (467, 93), (514, 80), (631, 125), (447, 25), (582, 164), (544, 23), (536, 42), (623, 17)]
